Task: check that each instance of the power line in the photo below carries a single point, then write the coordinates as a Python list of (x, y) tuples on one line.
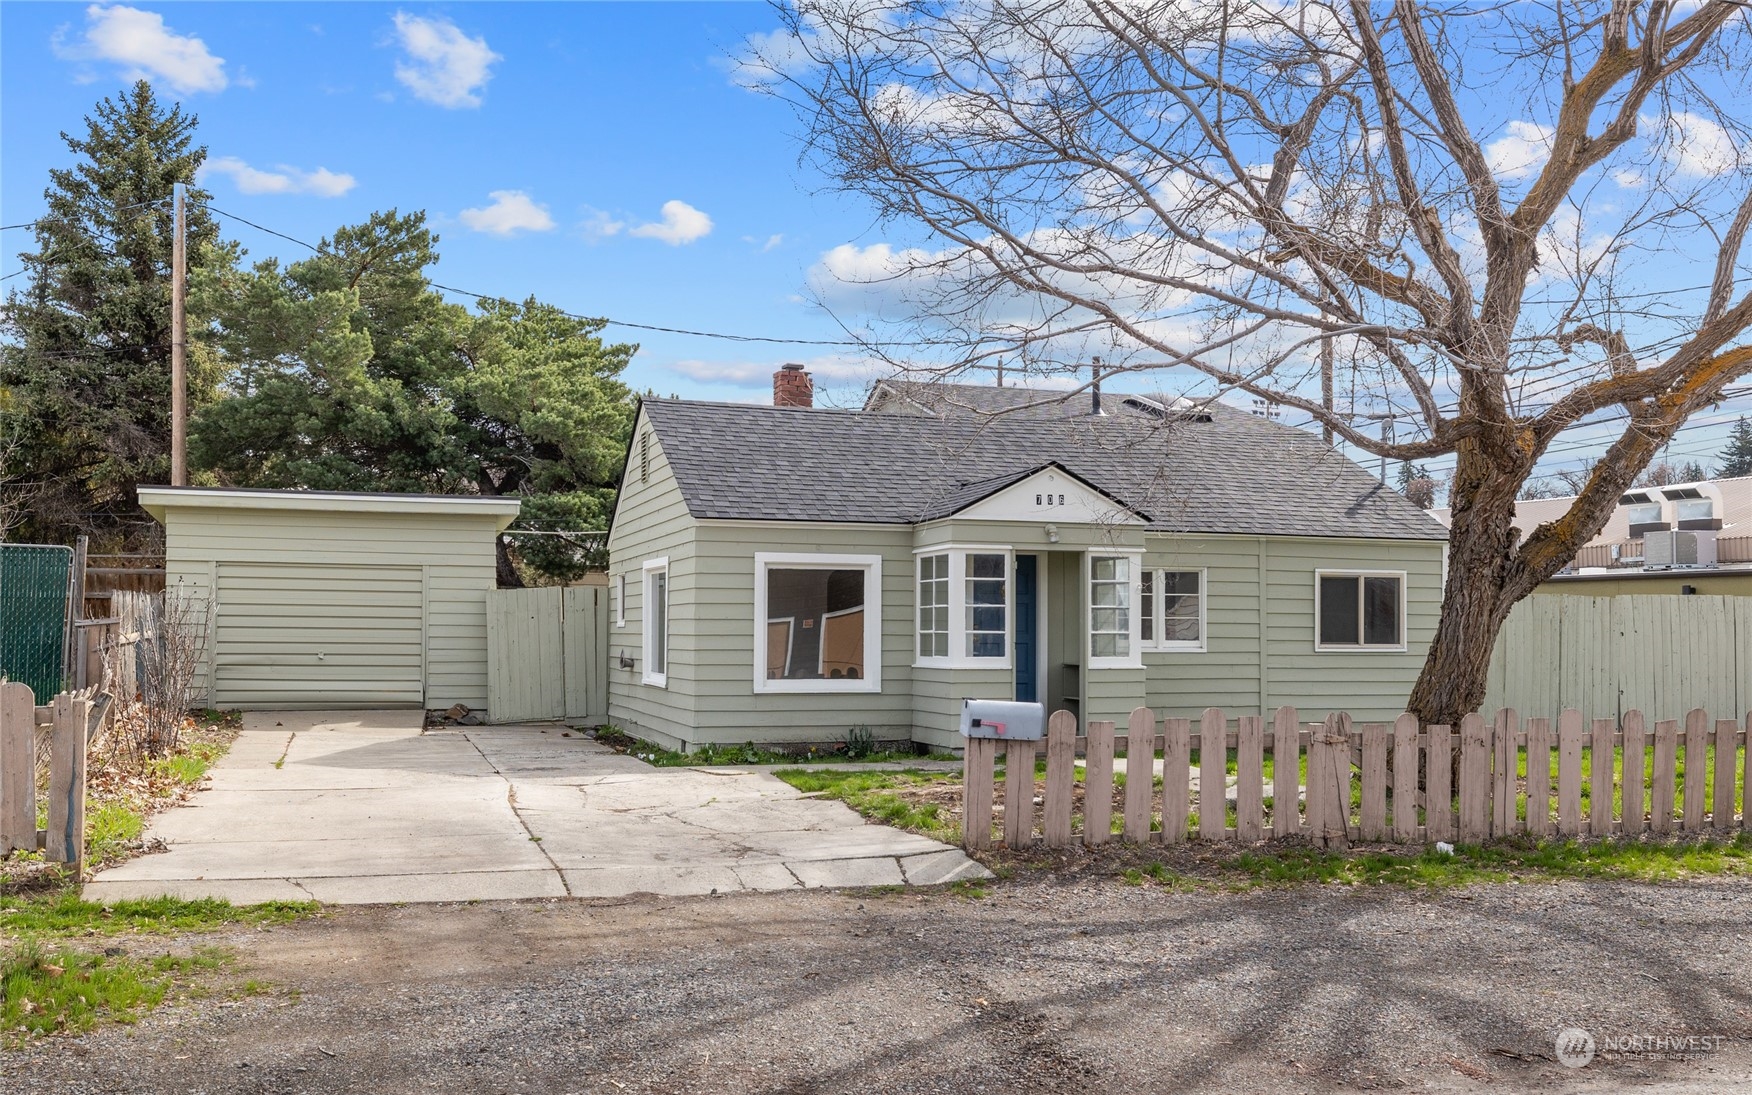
[(610, 322)]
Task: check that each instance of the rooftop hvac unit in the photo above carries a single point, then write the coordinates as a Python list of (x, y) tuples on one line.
[(1679, 548)]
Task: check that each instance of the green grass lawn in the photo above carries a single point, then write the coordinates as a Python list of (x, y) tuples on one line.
[(873, 795)]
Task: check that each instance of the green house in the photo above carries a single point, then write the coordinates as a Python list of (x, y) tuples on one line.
[(785, 573)]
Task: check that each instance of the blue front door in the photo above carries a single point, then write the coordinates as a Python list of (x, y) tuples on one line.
[(1027, 622)]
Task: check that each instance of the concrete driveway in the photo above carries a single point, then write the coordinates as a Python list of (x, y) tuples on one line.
[(362, 807)]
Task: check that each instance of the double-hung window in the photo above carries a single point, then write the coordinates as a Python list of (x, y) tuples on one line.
[(1115, 626), (1171, 609), (964, 607), (818, 623), (655, 614), (1359, 610)]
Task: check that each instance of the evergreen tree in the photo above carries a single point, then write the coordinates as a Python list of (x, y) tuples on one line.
[(1737, 457), (85, 364), (349, 372)]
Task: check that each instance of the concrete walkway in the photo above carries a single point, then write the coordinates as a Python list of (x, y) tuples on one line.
[(362, 807)]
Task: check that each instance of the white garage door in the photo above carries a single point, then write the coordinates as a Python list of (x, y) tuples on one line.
[(317, 636)]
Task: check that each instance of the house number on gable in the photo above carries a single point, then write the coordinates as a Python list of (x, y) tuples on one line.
[(1049, 500)]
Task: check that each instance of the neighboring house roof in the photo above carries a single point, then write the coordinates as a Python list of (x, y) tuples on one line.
[(1735, 510), (1220, 471)]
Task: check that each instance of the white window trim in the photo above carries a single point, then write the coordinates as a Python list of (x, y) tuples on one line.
[(651, 567), (620, 601), (1134, 660), (1361, 648), (872, 567), (958, 554), (1160, 645)]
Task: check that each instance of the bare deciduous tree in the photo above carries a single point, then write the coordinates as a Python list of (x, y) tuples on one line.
[(1486, 214), (170, 651)]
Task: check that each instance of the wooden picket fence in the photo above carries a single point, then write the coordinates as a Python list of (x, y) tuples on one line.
[(70, 719), (1333, 782)]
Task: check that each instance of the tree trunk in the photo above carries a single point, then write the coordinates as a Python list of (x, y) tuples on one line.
[(1482, 542), (508, 577)]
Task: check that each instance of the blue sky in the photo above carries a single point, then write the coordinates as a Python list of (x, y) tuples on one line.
[(569, 130), (599, 156)]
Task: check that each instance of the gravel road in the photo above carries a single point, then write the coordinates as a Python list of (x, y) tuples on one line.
[(1045, 985)]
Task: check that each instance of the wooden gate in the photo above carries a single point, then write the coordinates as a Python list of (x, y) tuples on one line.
[(547, 654)]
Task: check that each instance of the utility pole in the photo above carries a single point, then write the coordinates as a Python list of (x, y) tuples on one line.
[(179, 408)]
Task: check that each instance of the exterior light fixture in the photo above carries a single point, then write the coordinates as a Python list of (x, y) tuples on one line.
[(1052, 534)]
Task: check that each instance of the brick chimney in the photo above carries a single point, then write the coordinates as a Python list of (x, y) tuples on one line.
[(792, 387)]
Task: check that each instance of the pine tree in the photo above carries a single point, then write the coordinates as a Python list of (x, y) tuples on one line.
[(85, 364), (1737, 457), (350, 372)]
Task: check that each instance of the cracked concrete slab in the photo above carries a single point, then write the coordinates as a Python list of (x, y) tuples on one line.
[(364, 807)]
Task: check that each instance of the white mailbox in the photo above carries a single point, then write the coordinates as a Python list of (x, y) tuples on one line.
[(1004, 719)]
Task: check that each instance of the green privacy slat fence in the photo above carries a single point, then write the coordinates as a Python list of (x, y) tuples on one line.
[(33, 615)]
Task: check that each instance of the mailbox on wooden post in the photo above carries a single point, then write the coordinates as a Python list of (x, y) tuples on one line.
[(1005, 720)]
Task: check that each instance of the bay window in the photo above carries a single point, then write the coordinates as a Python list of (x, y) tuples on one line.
[(964, 607)]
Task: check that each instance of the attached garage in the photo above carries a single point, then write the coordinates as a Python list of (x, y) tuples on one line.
[(336, 599)]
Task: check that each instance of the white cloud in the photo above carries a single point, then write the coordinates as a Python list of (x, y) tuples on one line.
[(681, 223), (600, 225), (512, 211), (1630, 180), (285, 180), (145, 48), (1699, 147), (1520, 152), (444, 65), (771, 241)]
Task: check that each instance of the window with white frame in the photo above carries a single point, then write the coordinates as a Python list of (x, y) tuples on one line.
[(1359, 610), (620, 600), (1110, 611), (656, 623), (964, 607), (933, 606), (818, 623), (987, 590), (1171, 609)]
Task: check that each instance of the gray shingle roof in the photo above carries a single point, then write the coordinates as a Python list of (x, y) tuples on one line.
[(1231, 474)]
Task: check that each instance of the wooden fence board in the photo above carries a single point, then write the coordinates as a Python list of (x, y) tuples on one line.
[(1286, 774), (976, 766), (1176, 776), (584, 636), (1018, 793), (1631, 814), (1539, 777), (1329, 782), (1696, 767), (1726, 752), (1504, 819), (1405, 778), (18, 811), (1061, 778), (66, 843), (1249, 778), (1140, 774), (1746, 774), (1569, 772), (1098, 783), (1213, 775), (1661, 782), (1439, 776), (1475, 745), (1374, 776), (1600, 792)]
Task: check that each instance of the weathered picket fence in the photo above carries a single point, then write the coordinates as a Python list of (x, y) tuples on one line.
[(69, 718), (1335, 781)]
